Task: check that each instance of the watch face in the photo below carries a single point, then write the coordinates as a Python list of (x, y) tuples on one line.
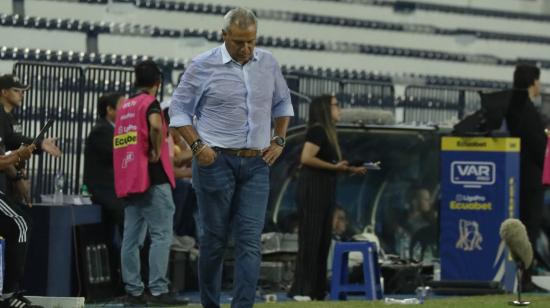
[(279, 140)]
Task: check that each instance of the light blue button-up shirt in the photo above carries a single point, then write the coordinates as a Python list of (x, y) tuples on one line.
[(231, 105)]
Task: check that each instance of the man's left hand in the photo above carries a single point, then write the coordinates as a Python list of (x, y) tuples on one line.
[(48, 146), (271, 154)]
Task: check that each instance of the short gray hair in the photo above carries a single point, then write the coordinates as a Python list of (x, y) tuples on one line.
[(242, 17)]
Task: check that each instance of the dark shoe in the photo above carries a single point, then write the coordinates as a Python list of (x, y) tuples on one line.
[(132, 300), (164, 300), (19, 301)]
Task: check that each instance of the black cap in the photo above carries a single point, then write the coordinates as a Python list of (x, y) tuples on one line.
[(11, 82)]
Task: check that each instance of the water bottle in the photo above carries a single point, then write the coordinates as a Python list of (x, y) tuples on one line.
[(405, 301), (58, 185), (84, 191), (423, 292), (404, 243), (437, 271), (417, 252)]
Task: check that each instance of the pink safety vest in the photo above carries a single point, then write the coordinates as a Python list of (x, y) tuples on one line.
[(131, 147)]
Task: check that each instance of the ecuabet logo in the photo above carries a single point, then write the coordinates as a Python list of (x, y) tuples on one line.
[(473, 173)]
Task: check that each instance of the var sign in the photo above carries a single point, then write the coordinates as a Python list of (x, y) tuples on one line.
[(473, 173)]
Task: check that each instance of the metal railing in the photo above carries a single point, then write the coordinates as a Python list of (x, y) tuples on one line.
[(68, 94), (438, 104)]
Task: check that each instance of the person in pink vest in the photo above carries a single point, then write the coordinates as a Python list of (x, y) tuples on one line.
[(144, 179)]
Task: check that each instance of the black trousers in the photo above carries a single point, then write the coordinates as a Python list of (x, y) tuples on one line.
[(316, 199), (15, 228), (113, 226), (531, 202)]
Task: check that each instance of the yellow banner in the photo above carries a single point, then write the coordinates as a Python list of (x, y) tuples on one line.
[(480, 144), (122, 140)]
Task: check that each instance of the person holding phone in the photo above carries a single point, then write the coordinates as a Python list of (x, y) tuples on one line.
[(321, 160)]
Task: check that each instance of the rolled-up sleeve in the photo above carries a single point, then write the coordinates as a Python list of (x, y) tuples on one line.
[(186, 97), (282, 104)]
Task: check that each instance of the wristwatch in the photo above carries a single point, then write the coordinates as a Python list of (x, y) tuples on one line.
[(280, 141)]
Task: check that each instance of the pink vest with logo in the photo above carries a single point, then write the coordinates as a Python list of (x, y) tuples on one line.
[(131, 147)]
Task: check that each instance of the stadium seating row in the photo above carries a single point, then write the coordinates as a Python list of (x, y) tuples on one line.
[(96, 28), (408, 5), (85, 58), (219, 9)]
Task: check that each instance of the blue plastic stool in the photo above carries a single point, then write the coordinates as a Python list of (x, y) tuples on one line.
[(371, 272)]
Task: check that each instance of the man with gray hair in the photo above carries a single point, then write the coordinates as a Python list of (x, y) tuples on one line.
[(223, 107)]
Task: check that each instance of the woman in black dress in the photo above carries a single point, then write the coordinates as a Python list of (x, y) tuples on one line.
[(321, 161)]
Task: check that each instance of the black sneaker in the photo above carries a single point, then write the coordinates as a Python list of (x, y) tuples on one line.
[(19, 301), (131, 300), (165, 300)]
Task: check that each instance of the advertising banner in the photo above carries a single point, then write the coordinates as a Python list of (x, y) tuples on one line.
[(479, 190)]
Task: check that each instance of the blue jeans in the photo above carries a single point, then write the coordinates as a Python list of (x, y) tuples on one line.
[(153, 211), (232, 196)]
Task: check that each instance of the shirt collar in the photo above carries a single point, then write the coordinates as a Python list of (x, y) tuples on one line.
[(226, 57)]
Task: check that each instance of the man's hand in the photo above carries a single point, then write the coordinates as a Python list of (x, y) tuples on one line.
[(22, 191), (206, 157), (25, 151), (48, 146), (182, 157), (154, 156), (271, 154)]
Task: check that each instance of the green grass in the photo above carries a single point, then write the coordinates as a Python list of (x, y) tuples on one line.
[(499, 301)]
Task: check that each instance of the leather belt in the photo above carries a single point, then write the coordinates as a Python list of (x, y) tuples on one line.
[(240, 152)]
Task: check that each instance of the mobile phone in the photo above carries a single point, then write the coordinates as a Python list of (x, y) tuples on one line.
[(372, 165)]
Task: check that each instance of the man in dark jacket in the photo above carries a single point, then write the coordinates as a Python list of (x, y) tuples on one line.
[(99, 176), (98, 160), (524, 121)]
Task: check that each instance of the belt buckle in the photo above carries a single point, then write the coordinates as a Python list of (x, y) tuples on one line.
[(239, 153)]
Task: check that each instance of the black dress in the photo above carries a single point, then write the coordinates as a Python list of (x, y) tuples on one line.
[(524, 121), (316, 201)]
